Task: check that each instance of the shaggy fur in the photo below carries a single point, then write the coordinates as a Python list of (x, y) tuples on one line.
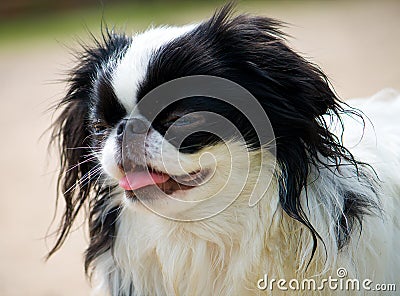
[(334, 192)]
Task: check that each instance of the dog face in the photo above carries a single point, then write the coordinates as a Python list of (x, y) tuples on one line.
[(172, 147), (142, 126), (173, 158)]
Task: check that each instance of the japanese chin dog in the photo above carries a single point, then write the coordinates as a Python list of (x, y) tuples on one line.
[(212, 159)]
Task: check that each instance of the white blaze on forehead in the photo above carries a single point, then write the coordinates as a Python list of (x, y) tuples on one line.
[(131, 69)]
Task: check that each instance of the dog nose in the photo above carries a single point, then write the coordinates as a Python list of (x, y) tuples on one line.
[(121, 128), (131, 126), (136, 126), (131, 136)]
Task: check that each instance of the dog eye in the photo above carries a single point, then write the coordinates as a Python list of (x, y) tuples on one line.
[(99, 126), (185, 121)]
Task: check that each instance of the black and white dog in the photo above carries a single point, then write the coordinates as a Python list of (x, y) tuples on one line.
[(184, 195)]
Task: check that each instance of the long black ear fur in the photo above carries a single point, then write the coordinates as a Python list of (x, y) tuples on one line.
[(78, 180)]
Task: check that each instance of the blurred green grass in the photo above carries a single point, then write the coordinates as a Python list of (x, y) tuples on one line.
[(131, 16)]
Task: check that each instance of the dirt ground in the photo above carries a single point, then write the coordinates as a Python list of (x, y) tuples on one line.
[(357, 44)]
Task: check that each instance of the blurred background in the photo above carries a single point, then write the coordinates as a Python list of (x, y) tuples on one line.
[(357, 43)]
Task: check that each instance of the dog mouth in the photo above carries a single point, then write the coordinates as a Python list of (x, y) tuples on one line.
[(141, 177)]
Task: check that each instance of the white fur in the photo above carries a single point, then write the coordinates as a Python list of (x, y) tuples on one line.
[(131, 69), (107, 158), (227, 253)]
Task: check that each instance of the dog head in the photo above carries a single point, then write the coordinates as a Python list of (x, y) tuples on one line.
[(185, 120)]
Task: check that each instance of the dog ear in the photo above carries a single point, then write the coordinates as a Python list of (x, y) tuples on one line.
[(295, 94), (71, 136), (78, 176)]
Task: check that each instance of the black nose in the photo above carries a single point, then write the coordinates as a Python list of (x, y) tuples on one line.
[(132, 126), (121, 128), (137, 126)]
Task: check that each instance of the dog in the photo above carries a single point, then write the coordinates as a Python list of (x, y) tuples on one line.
[(212, 159)]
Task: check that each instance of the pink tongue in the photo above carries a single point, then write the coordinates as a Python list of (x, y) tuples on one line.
[(136, 180)]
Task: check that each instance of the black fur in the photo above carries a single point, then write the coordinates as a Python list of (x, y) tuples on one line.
[(78, 180), (252, 52), (248, 50)]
